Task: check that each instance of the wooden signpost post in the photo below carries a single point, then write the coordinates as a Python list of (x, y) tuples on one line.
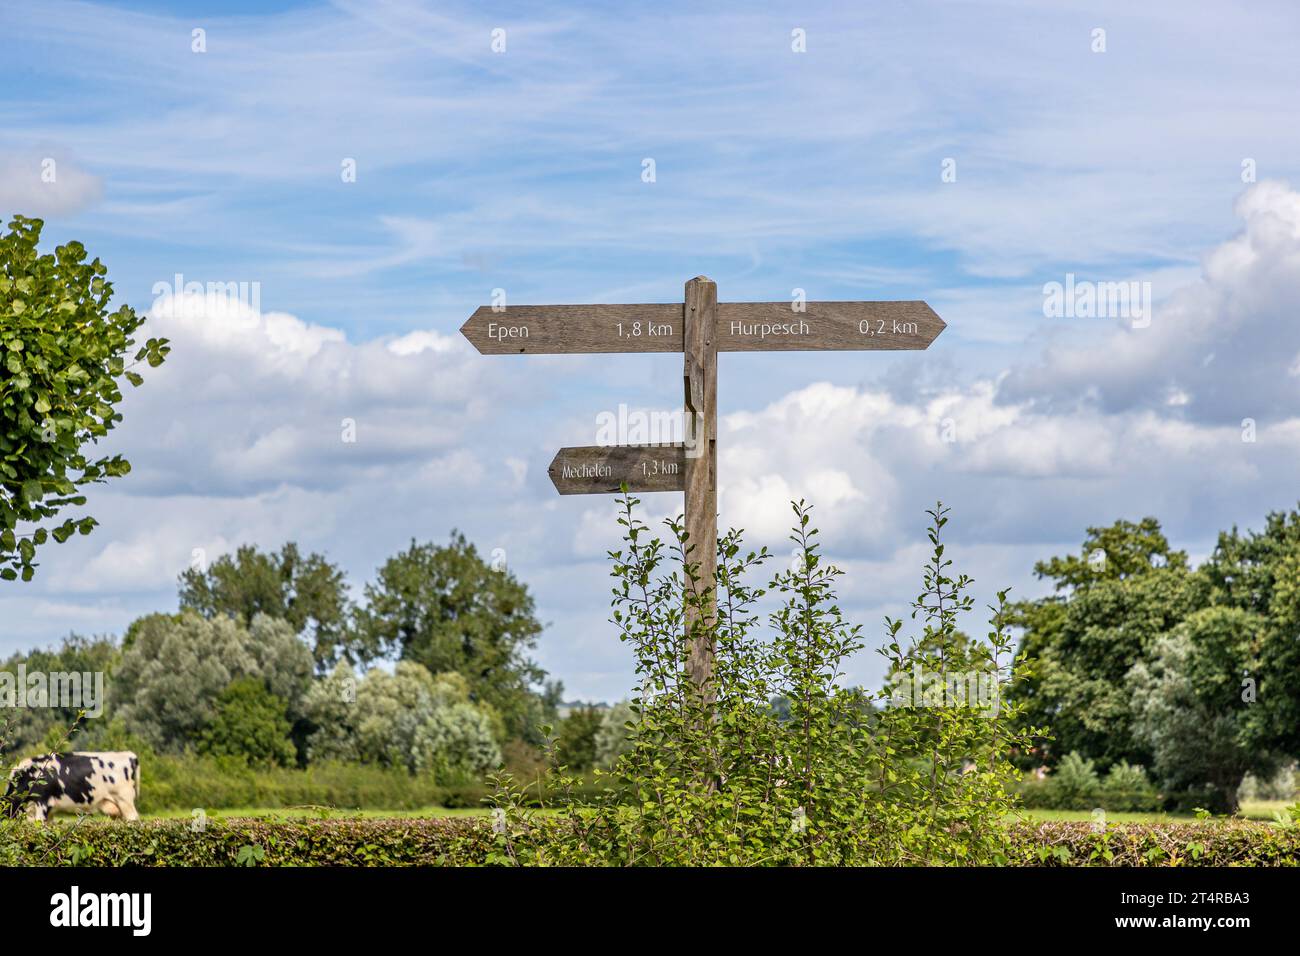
[(700, 328)]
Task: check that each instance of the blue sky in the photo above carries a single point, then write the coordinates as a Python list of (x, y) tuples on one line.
[(521, 170)]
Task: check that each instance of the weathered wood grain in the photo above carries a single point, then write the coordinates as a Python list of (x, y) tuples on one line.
[(825, 326), (700, 378), (601, 469), (740, 327), (565, 329)]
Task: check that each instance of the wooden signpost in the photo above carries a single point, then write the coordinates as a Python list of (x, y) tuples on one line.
[(700, 328)]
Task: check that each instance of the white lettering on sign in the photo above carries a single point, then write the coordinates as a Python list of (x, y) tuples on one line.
[(655, 466), (637, 329), (500, 332), (764, 329), (584, 470), (895, 328)]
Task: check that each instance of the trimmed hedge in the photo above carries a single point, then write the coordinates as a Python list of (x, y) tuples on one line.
[(469, 841), (248, 842), (1202, 843)]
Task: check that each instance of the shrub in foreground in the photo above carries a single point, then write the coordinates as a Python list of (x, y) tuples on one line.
[(714, 774)]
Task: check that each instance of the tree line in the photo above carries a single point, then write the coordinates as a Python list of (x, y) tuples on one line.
[(269, 659), (1145, 667), (1190, 672)]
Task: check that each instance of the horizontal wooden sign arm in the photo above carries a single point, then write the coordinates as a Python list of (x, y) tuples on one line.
[(565, 329), (602, 469), (825, 326), (739, 327)]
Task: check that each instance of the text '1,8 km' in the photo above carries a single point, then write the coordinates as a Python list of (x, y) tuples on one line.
[(700, 328)]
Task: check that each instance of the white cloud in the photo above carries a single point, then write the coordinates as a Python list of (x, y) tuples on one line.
[(249, 400), (1115, 422), (421, 341), (1217, 350), (44, 185)]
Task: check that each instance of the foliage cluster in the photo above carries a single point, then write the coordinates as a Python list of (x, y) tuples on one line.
[(714, 774), (63, 356)]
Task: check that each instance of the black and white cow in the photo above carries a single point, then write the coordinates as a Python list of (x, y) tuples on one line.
[(80, 782)]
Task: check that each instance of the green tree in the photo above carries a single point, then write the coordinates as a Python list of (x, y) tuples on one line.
[(62, 356), (1188, 672), (447, 609), (541, 709), (613, 740), (1259, 572), (23, 727), (174, 668), (575, 746), (249, 722), (1189, 709), (1123, 592), (308, 592), (1115, 553), (409, 718), (1075, 783)]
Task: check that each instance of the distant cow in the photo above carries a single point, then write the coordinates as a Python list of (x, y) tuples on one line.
[(81, 782)]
